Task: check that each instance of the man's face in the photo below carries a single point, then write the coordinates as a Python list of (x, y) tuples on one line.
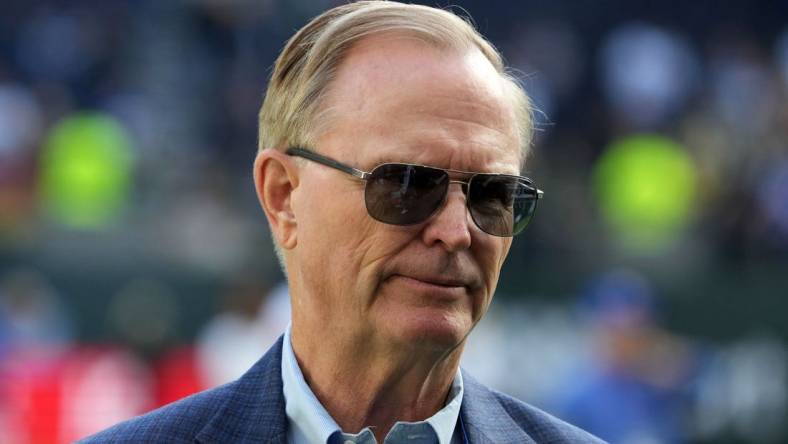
[(400, 100)]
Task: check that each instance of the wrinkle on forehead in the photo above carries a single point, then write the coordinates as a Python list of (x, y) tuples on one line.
[(431, 98), (446, 84)]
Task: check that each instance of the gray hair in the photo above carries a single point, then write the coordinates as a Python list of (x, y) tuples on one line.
[(291, 113)]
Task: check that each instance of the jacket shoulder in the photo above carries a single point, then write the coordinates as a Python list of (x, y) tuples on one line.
[(542, 426), (248, 410), (178, 422)]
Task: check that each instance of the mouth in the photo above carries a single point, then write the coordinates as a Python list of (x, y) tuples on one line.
[(430, 283)]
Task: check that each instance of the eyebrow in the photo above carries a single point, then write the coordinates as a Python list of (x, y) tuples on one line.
[(388, 158), (380, 160), (460, 173)]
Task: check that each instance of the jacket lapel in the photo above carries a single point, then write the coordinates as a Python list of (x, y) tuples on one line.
[(255, 409), (485, 420)]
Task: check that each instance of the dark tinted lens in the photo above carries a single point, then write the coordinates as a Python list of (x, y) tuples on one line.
[(404, 194), (501, 205)]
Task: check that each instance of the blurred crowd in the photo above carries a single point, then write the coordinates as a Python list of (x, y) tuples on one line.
[(647, 302)]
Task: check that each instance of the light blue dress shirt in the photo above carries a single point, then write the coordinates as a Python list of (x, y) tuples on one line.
[(310, 423)]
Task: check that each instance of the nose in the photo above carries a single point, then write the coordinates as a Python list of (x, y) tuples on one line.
[(450, 227)]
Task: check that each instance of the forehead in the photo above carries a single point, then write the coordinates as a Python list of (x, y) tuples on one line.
[(400, 99)]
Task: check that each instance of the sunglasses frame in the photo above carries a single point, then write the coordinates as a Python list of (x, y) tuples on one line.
[(364, 175)]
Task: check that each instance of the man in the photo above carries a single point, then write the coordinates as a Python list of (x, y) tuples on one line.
[(391, 141)]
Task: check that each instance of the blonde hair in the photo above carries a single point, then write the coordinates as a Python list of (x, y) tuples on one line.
[(291, 112)]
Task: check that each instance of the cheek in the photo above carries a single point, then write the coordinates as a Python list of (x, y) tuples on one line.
[(326, 207), (491, 255), (506, 244), (329, 214), (373, 247), (337, 234)]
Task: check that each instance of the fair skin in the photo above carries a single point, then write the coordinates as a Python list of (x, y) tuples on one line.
[(380, 313)]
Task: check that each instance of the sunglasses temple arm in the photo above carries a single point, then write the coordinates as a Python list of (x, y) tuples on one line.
[(315, 157)]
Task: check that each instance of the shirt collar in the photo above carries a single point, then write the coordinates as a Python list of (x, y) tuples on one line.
[(309, 421), (445, 420)]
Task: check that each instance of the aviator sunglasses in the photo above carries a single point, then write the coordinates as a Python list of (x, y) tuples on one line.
[(405, 194)]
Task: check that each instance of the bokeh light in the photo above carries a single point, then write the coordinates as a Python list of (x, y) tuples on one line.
[(86, 170), (646, 189)]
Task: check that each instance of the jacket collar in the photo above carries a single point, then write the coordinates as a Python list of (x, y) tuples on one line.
[(484, 418), (255, 408)]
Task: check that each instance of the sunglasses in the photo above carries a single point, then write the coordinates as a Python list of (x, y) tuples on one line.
[(404, 194)]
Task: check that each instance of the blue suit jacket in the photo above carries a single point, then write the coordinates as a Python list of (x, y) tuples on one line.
[(252, 410)]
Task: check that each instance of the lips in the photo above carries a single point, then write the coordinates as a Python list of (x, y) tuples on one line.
[(435, 273), (439, 281)]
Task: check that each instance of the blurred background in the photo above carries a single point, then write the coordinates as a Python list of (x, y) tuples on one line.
[(647, 303)]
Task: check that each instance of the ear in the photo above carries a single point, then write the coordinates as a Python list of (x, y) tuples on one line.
[(275, 179)]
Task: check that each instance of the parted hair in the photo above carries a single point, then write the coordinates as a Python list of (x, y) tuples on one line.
[(292, 113)]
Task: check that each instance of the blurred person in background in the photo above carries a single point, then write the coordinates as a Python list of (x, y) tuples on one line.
[(391, 142), (634, 386), (30, 312), (252, 320)]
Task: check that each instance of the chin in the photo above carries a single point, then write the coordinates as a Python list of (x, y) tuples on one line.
[(412, 315), (430, 328)]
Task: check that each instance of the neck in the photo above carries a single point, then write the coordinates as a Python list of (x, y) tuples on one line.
[(363, 385)]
